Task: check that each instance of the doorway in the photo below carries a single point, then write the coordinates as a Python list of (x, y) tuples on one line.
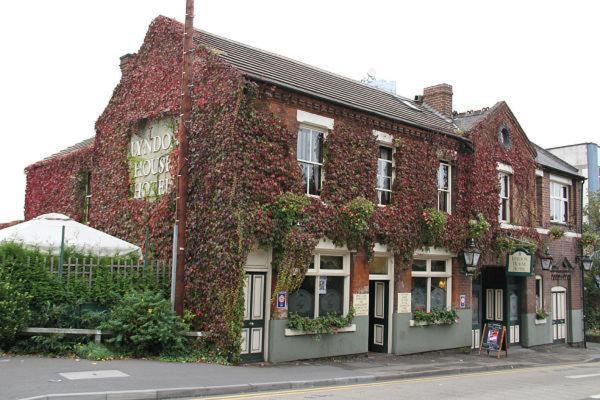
[(514, 309), (559, 314), (252, 344), (378, 316)]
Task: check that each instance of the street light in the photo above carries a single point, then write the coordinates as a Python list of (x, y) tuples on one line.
[(586, 262), (471, 255)]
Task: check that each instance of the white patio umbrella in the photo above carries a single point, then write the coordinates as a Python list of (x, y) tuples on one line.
[(45, 233)]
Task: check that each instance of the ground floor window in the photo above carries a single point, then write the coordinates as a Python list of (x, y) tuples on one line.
[(325, 289), (431, 284), (539, 293)]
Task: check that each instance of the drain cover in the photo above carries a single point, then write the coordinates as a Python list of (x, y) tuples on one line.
[(108, 373)]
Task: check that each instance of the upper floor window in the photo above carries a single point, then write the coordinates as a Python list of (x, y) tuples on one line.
[(504, 209), (504, 136), (559, 202), (384, 175), (310, 157), (444, 187)]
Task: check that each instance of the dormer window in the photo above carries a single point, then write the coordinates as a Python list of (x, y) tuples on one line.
[(504, 136)]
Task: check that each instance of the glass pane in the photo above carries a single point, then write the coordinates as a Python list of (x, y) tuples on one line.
[(331, 295), (438, 293), (378, 265), (419, 294), (332, 262), (419, 265), (384, 197), (305, 169), (443, 176), (302, 301), (438, 266), (314, 184), (443, 201), (385, 153), (315, 150), (565, 192), (303, 145)]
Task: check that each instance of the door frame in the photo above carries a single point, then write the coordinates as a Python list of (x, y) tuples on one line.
[(391, 283), (254, 266)]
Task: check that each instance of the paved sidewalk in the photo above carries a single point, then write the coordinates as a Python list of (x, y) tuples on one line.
[(23, 377)]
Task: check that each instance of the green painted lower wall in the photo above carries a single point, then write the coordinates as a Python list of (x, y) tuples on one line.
[(535, 335), (408, 339), (288, 348), (576, 325)]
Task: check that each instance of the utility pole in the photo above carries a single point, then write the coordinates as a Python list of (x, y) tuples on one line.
[(182, 168)]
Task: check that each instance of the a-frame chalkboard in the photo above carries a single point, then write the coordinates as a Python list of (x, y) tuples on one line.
[(493, 338)]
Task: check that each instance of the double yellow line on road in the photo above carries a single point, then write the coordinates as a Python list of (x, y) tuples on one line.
[(323, 389)]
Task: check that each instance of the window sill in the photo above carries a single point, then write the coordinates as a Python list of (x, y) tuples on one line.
[(294, 332), (423, 323), (558, 223), (540, 321)]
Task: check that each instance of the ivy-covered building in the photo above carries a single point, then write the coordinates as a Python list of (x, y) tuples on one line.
[(318, 203)]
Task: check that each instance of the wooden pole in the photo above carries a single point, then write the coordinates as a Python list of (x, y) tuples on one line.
[(182, 170)]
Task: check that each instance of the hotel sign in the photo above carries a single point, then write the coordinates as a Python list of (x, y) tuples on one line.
[(519, 263), (148, 159)]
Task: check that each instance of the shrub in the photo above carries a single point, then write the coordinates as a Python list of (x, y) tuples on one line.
[(556, 232), (478, 226), (143, 323), (94, 351), (434, 222), (355, 218), (14, 311)]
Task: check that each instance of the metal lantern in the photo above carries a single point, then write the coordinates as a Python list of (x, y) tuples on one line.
[(471, 255), (586, 262)]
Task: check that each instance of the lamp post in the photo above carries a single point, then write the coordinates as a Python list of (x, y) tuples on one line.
[(471, 255), (586, 265)]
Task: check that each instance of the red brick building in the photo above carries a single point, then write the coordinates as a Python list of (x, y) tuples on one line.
[(420, 149)]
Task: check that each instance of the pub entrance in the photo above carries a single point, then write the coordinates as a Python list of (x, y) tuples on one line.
[(501, 301)]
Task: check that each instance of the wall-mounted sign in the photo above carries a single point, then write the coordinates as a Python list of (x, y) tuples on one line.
[(282, 300), (322, 285), (462, 303), (404, 306), (360, 302), (148, 159), (519, 263)]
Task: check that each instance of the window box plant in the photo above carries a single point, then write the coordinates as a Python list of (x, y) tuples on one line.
[(434, 317), (326, 324)]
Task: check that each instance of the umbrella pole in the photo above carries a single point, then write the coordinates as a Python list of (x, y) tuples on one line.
[(61, 256)]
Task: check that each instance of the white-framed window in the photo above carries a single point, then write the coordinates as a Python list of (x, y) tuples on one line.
[(559, 202), (539, 293), (384, 175), (309, 153), (431, 284), (444, 179), (504, 208), (325, 289)]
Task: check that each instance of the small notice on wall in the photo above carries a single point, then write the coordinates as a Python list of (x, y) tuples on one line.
[(360, 303), (322, 285), (462, 303), (282, 300), (404, 303)]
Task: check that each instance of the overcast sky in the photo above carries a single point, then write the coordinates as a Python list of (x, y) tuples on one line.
[(60, 60)]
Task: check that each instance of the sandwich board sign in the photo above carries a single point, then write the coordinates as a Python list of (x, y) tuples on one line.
[(493, 338)]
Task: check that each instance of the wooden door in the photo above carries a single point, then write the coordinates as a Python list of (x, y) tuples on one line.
[(252, 347), (559, 314), (378, 316)]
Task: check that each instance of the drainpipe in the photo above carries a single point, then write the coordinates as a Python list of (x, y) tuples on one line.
[(580, 230)]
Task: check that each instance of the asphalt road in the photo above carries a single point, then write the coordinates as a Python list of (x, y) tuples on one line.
[(576, 381)]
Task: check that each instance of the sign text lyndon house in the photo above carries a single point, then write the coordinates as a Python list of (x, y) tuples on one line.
[(149, 159)]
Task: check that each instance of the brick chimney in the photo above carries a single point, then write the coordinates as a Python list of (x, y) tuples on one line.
[(439, 97), (124, 60)]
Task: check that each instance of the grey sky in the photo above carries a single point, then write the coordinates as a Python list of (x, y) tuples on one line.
[(60, 59)]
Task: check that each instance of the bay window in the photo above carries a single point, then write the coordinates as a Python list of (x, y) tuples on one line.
[(559, 202), (384, 175), (325, 289), (444, 187), (431, 285), (504, 209), (309, 153)]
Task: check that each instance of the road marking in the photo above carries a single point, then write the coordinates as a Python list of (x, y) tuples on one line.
[(581, 376), (107, 373), (386, 383)]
